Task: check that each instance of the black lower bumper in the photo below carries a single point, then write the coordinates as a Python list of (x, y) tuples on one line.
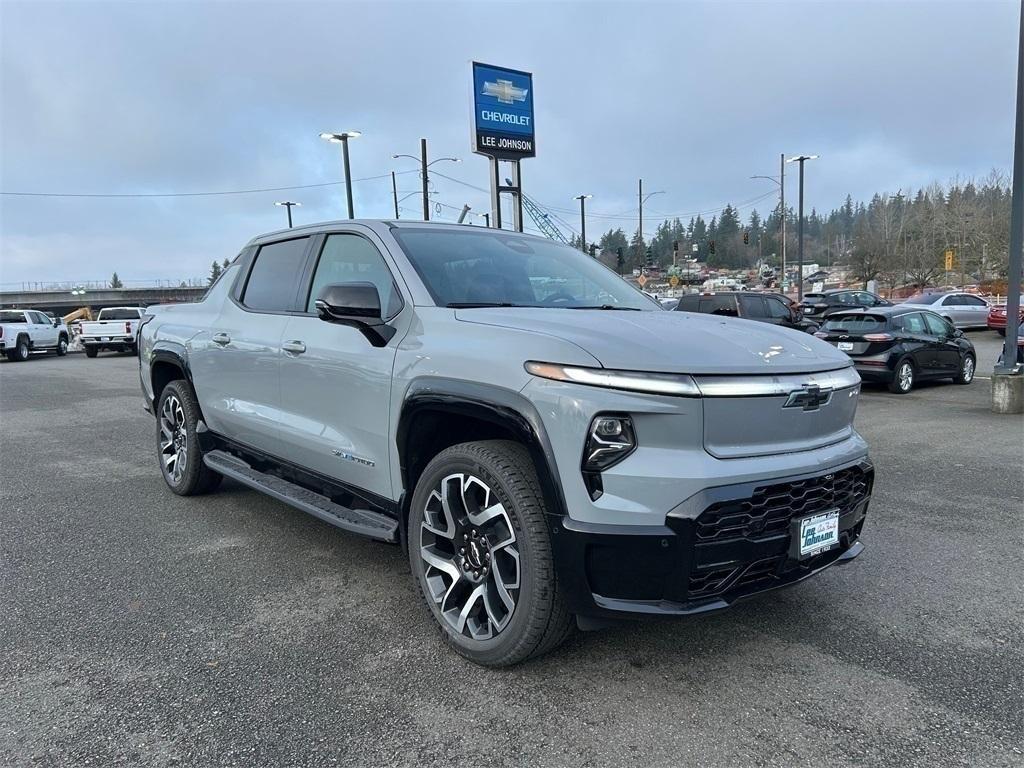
[(722, 545)]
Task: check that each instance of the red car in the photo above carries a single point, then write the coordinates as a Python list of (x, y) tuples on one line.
[(997, 318)]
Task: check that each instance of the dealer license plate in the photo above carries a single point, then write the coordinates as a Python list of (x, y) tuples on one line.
[(105, 338), (845, 346), (818, 533)]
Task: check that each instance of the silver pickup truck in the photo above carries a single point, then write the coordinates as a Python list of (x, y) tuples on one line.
[(551, 448)]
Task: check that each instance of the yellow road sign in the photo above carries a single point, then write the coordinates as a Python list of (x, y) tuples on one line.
[(673, 281), (642, 280), (949, 260)]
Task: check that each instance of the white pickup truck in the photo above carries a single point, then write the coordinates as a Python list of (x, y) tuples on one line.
[(24, 331), (115, 328)]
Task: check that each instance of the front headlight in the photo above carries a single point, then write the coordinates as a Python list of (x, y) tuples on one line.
[(677, 385), (610, 439)]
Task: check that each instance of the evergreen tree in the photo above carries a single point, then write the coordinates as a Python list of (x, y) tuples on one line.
[(215, 270), (115, 281)]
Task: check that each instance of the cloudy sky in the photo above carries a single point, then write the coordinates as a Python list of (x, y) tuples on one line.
[(160, 97)]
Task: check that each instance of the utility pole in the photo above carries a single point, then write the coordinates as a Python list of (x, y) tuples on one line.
[(782, 204), (800, 227), (1007, 384), (640, 197), (423, 173), (394, 193), (583, 221)]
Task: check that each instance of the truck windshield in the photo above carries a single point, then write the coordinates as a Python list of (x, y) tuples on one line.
[(487, 268), (12, 317), (118, 314)]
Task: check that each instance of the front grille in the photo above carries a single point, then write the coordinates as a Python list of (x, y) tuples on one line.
[(769, 510)]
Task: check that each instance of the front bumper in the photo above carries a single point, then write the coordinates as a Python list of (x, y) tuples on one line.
[(721, 545)]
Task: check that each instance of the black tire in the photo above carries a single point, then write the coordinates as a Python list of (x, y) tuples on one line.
[(539, 620), (1001, 332), (133, 350), (194, 476), (20, 352), (91, 351), (62, 345), (900, 384), (967, 370)]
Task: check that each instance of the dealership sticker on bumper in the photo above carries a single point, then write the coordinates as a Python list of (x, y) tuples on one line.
[(845, 346), (818, 533)]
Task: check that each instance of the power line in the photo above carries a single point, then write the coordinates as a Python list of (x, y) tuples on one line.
[(196, 194)]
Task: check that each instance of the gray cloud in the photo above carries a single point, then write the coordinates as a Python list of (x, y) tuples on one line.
[(695, 98)]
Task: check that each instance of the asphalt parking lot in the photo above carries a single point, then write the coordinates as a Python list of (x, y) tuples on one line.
[(137, 627)]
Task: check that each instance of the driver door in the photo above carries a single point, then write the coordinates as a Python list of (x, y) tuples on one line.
[(335, 384)]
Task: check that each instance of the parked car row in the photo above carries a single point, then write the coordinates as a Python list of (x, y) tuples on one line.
[(27, 331)]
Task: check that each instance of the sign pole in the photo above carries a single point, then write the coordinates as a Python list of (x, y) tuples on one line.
[(517, 208), (495, 193)]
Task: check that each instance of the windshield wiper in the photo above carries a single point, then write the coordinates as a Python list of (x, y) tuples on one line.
[(611, 308), (479, 304)]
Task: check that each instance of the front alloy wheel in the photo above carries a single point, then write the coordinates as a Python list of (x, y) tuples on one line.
[(966, 373), (471, 563), (481, 554)]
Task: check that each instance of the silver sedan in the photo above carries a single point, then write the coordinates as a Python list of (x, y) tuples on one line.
[(964, 310)]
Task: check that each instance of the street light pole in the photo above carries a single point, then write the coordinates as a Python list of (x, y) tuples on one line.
[(342, 138), (641, 197), (288, 204), (394, 193), (583, 221), (800, 227), (782, 204)]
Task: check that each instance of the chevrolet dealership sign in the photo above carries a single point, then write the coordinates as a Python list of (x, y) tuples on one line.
[(502, 112)]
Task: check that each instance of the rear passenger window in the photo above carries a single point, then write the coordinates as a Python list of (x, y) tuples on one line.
[(913, 323), (753, 306), (275, 275), (354, 259), (719, 305)]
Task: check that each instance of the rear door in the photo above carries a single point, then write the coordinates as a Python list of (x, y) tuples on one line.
[(236, 363), (918, 341), (946, 350), (752, 307), (974, 310), (335, 384)]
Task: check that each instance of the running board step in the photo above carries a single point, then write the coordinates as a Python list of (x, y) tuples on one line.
[(364, 522)]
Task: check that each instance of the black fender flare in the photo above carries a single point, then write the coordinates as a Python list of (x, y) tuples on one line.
[(488, 402)]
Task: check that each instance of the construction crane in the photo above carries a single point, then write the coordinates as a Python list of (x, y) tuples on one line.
[(541, 219)]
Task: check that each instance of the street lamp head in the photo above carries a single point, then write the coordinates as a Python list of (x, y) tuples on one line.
[(583, 197), (799, 158), (288, 202), (337, 138)]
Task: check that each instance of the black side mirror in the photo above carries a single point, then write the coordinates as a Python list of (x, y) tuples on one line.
[(56, 322), (357, 305)]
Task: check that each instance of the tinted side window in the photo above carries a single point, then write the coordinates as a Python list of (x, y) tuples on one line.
[(688, 304), (913, 323), (354, 259), (752, 306), (777, 308), (972, 301), (937, 326), (274, 277), (952, 301), (719, 305), (845, 299)]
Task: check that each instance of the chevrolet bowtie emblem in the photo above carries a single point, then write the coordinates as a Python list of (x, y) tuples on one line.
[(504, 91), (809, 398)]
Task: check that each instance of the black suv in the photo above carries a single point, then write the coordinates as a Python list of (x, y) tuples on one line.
[(764, 307), (901, 345), (817, 306)]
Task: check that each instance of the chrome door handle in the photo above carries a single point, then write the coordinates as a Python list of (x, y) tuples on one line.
[(295, 347), (221, 338)]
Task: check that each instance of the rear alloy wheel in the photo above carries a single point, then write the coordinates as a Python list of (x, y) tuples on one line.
[(20, 351), (481, 555), (966, 373), (181, 459), (903, 380)]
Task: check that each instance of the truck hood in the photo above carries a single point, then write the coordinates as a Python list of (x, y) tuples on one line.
[(671, 342)]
